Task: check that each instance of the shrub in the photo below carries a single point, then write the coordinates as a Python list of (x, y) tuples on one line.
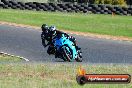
[(112, 2)]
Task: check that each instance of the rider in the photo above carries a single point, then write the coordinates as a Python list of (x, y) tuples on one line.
[(45, 34), (52, 32), (47, 37)]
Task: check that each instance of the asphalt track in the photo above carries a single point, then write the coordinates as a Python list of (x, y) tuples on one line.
[(26, 42)]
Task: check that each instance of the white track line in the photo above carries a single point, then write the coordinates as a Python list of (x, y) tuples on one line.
[(14, 56)]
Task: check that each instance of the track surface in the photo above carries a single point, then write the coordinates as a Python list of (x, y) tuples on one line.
[(26, 42)]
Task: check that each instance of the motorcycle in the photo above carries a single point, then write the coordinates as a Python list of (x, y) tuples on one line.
[(66, 49)]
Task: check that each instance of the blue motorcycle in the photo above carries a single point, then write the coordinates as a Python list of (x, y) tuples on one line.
[(66, 49)]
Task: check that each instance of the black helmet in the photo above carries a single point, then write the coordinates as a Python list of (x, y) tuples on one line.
[(52, 30), (44, 27)]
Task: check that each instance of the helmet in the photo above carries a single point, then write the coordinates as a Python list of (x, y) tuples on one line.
[(44, 27), (52, 30)]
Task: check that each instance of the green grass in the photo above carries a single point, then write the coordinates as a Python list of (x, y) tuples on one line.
[(5, 58), (57, 75), (101, 24), (40, 75)]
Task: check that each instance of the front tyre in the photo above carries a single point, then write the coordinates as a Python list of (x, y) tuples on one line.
[(66, 54)]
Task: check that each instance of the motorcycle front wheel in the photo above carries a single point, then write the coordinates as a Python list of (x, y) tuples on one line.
[(66, 54)]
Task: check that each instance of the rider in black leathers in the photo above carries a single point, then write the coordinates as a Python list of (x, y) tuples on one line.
[(48, 33), (45, 35)]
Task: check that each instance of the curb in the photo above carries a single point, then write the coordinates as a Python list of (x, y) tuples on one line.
[(14, 56)]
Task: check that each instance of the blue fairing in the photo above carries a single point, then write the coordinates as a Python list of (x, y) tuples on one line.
[(63, 40)]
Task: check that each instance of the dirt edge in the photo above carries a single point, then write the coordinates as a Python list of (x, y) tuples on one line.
[(93, 35)]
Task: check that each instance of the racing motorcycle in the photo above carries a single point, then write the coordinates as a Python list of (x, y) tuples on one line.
[(66, 49)]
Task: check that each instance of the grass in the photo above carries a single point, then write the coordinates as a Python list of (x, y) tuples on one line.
[(58, 75), (40, 75), (100, 24), (5, 58)]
